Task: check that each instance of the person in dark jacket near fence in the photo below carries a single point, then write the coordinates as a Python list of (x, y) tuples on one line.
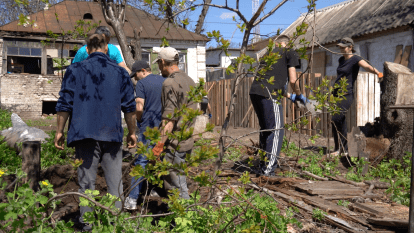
[(348, 68), (268, 110), (92, 94)]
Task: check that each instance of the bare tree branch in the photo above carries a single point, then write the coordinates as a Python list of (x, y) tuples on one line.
[(200, 22), (270, 13)]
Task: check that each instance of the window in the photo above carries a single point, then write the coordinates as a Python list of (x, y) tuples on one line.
[(146, 56), (23, 51), (87, 16), (182, 65), (48, 107)]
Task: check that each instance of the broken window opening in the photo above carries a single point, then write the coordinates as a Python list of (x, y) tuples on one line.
[(48, 107), (26, 65)]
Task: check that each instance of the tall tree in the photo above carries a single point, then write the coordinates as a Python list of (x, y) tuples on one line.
[(114, 12), (200, 22)]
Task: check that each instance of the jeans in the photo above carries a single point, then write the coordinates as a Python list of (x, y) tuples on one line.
[(93, 153), (174, 180), (140, 160)]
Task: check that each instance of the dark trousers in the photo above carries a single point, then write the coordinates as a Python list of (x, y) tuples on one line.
[(339, 127), (270, 115), (93, 153)]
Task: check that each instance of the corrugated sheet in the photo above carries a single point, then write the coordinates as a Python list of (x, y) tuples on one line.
[(356, 18), (70, 11), (353, 18)]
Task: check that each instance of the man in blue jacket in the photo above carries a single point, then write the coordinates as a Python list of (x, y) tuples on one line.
[(93, 93), (148, 98)]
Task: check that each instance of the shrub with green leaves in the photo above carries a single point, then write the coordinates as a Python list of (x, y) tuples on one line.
[(23, 204)]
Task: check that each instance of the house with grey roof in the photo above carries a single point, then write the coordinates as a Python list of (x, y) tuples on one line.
[(382, 30), (28, 75)]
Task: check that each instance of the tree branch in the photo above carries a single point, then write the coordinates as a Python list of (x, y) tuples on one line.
[(200, 22), (81, 195), (257, 13), (270, 13)]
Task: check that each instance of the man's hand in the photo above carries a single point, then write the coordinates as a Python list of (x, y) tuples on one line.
[(131, 140), (60, 141), (158, 149), (302, 98)]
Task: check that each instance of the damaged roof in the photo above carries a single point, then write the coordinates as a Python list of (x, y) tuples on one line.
[(71, 11), (352, 18), (355, 18)]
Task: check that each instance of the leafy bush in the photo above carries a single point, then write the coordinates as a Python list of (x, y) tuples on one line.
[(5, 119), (51, 155), (398, 175), (23, 204)]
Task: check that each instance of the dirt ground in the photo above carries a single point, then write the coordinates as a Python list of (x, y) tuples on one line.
[(64, 179)]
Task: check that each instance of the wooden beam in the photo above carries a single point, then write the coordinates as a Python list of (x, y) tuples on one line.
[(406, 55), (398, 54), (31, 163), (43, 66)]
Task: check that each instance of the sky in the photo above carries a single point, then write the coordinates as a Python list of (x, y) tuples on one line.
[(221, 19)]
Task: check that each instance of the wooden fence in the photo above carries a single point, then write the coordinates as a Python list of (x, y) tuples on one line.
[(365, 108)]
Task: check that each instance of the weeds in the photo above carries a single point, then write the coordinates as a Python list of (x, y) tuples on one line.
[(343, 203), (233, 154), (318, 214)]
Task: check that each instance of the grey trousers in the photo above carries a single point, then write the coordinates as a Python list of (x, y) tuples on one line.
[(109, 155), (174, 180)]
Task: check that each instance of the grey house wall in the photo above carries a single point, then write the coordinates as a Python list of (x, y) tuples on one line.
[(377, 50)]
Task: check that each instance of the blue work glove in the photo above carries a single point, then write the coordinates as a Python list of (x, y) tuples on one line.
[(210, 116), (302, 98), (292, 97)]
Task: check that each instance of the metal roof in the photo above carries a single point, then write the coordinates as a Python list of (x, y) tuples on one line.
[(355, 18), (71, 11)]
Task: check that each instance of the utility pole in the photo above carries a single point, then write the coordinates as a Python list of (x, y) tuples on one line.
[(256, 30)]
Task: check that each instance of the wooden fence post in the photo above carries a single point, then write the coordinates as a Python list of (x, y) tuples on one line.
[(31, 163)]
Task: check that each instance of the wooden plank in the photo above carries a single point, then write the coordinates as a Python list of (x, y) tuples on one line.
[(359, 94), (366, 100), (329, 188), (388, 222), (398, 54), (406, 55), (371, 97), (366, 209), (377, 98)]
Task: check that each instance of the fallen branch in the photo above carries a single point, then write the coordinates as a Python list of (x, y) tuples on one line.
[(313, 175), (300, 204), (84, 196), (358, 184)]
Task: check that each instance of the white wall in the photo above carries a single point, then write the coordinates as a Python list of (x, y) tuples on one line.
[(378, 50), (196, 54), (219, 58)]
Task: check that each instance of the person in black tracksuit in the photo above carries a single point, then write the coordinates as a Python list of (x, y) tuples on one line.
[(268, 110), (348, 67)]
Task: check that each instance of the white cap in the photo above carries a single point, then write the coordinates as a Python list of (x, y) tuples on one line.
[(167, 53)]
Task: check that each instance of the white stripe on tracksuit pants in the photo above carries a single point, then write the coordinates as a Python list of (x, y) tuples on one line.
[(270, 115)]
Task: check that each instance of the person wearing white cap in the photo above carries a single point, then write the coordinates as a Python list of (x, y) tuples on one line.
[(174, 94)]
